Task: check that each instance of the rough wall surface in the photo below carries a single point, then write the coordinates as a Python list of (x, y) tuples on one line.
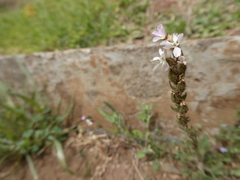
[(123, 76)]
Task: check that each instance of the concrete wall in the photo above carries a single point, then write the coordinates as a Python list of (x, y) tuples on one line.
[(123, 76)]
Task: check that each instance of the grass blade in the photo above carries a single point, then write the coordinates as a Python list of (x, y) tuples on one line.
[(61, 156), (32, 167)]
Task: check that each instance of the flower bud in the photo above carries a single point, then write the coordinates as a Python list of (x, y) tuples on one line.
[(170, 37)]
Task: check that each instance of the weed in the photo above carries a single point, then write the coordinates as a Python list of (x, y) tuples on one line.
[(152, 142), (213, 162), (28, 126)]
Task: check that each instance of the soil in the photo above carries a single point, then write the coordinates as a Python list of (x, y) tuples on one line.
[(93, 157)]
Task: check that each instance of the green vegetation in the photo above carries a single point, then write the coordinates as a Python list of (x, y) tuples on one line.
[(28, 126), (150, 137), (219, 155), (201, 19), (64, 24)]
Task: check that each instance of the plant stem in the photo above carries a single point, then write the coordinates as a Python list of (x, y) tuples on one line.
[(178, 96)]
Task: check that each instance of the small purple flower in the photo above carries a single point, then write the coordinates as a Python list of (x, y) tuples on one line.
[(160, 33), (83, 117), (223, 150), (223, 125)]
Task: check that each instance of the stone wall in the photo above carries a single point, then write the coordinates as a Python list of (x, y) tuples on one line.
[(123, 76)]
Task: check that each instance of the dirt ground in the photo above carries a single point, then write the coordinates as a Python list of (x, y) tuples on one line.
[(93, 157)]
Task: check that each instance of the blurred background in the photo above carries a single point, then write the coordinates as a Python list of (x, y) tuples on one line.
[(28, 26)]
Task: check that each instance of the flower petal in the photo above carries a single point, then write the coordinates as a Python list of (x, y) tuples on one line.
[(156, 66), (161, 30), (223, 150), (155, 59), (156, 33), (175, 38), (177, 52), (180, 38), (165, 66), (166, 44), (161, 52), (89, 122), (155, 39)]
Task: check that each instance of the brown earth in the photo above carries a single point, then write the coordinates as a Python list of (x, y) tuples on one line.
[(93, 157)]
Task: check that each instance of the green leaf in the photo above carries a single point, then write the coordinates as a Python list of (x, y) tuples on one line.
[(46, 110), (174, 109), (170, 84), (184, 96), (204, 145), (27, 134), (137, 133), (60, 119), (15, 110), (142, 116), (30, 101), (115, 131), (38, 118), (107, 116), (142, 153), (143, 107), (35, 148), (235, 172), (110, 106)]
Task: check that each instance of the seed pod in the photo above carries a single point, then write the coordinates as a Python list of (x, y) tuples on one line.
[(176, 97), (183, 120), (181, 68), (171, 62), (183, 108), (181, 86), (173, 77)]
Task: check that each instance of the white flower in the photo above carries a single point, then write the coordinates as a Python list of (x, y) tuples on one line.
[(162, 60), (89, 122), (160, 33), (177, 39)]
